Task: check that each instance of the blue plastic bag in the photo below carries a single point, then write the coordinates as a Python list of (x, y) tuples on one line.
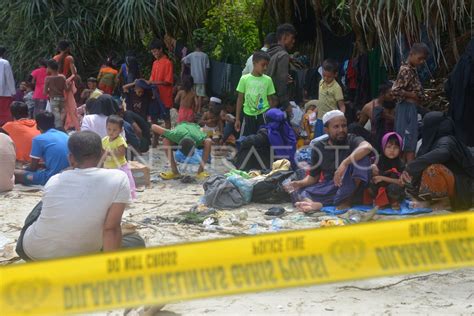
[(195, 159), (244, 186)]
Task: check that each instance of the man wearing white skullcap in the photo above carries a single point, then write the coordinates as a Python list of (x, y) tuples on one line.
[(330, 115), (215, 100), (340, 168)]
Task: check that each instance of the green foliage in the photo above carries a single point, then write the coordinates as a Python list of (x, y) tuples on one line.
[(230, 31), (31, 29)]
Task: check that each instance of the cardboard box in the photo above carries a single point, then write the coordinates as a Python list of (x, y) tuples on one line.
[(141, 174)]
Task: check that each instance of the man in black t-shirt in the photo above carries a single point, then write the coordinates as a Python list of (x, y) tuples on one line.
[(340, 168)]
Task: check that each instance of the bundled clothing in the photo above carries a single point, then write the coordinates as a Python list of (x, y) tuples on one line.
[(440, 146), (460, 92)]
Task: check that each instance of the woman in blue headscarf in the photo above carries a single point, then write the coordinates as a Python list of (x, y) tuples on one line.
[(280, 135), (255, 151)]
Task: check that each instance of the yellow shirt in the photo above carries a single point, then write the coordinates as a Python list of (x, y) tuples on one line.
[(329, 95), (112, 162)]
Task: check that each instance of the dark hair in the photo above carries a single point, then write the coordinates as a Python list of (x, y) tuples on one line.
[(2, 50), (53, 65), (284, 29), (2, 131), (92, 79), (385, 87), (270, 39), (187, 146), (187, 83), (109, 62), (330, 65), (260, 55), (198, 43), (420, 49), (63, 45), (393, 139), (19, 110), (216, 108), (115, 119), (103, 105), (42, 62), (85, 145), (29, 84), (157, 44), (133, 67), (45, 121)]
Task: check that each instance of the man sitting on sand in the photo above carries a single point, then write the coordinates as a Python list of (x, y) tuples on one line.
[(49, 148), (340, 168), (81, 209), (188, 136)]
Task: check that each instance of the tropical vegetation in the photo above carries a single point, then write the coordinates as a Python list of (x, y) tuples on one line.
[(231, 29)]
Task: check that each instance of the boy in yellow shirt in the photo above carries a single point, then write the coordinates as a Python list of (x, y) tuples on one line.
[(330, 94)]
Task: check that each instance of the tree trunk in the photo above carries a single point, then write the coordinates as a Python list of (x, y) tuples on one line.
[(318, 54), (360, 47), (288, 11), (452, 34)]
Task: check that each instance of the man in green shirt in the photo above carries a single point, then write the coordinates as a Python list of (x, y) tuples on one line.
[(186, 137), (254, 91)]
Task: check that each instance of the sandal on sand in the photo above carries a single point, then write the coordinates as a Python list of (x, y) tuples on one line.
[(169, 175), (202, 175)]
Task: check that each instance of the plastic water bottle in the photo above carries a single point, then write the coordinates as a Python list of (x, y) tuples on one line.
[(276, 224), (355, 218), (254, 229)]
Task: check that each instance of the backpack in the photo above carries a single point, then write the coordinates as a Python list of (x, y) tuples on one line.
[(271, 190)]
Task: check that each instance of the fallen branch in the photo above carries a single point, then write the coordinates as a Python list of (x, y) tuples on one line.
[(421, 277)]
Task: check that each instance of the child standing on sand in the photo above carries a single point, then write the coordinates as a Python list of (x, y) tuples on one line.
[(186, 98), (115, 147)]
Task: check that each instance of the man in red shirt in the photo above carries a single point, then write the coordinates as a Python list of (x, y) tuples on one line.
[(162, 77)]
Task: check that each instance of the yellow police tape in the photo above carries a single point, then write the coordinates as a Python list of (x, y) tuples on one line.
[(238, 265)]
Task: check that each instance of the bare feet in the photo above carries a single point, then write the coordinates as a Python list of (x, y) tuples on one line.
[(441, 204), (308, 206), (343, 206), (395, 205), (419, 204)]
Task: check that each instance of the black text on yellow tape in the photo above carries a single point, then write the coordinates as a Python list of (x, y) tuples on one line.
[(238, 265)]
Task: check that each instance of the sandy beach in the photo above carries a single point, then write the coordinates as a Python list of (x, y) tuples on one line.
[(157, 216)]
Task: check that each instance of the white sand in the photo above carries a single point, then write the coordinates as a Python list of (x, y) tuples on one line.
[(155, 212)]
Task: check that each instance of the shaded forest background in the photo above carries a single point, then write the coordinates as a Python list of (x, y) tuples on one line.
[(230, 29)]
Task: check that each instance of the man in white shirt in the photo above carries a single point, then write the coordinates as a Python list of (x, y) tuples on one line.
[(7, 88), (269, 40), (81, 209), (7, 162)]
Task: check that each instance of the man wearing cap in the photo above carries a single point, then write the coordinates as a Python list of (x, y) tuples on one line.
[(340, 168)]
